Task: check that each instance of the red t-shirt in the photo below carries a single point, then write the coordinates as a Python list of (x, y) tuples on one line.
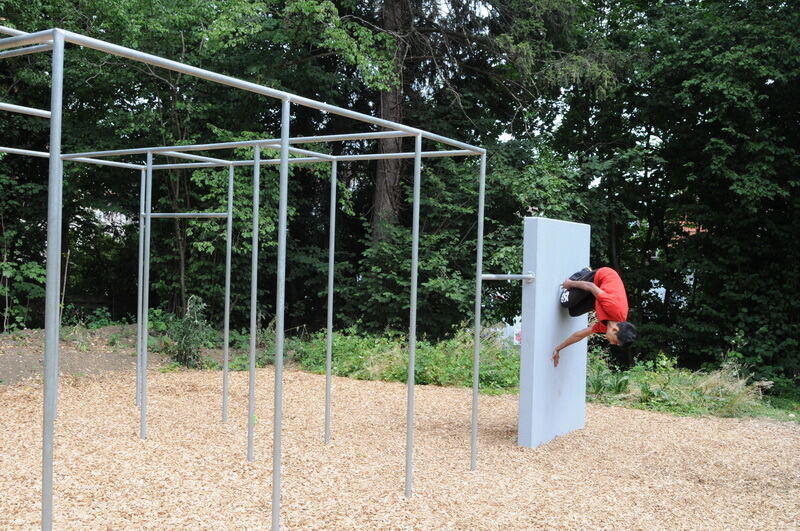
[(612, 304)]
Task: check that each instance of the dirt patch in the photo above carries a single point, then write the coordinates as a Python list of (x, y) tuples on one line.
[(626, 469), (82, 352)]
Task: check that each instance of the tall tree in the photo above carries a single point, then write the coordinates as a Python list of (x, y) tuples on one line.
[(694, 159), (397, 22), (476, 70)]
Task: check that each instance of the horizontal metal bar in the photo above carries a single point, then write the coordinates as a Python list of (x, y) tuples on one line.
[(310, 153), (27, 50), (11, 31), (189, 156), (454, 143), (46, 155), (28, 152), (112, 163), (263, 162), (27, 38), (527, 277), (406, 155), (187, 214), (24, 110), (238, 144), (175, 66), (349, 136)]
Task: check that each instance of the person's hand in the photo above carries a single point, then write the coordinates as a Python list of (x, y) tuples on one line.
[(556, 356), (567, 284)]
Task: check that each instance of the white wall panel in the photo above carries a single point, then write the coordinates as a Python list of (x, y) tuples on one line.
[(552, 400)]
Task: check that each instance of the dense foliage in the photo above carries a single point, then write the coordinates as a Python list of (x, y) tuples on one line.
[(696, 152), (671, 127)]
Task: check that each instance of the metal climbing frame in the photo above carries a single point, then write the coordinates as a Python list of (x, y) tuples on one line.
[(54, 40)]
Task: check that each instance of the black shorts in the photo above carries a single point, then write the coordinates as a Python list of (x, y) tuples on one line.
[(579, 301)]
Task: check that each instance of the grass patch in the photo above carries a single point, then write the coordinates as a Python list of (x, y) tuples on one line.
[(172, 366), (660, 385)]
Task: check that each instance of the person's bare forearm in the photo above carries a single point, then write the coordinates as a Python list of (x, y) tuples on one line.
[(584, 285), (574, 338), (571, 340)]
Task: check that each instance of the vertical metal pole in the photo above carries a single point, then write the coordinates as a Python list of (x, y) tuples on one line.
[(148, 208), (476, 353), (60, 203), (251, 400), (412, 326), (52, 313), (226, 335), (139, 293), (329, 349), (279, 317)]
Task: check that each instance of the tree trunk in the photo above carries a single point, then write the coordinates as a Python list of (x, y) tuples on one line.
[(5, 280), (613, 247), (180, 238), (386, 199)]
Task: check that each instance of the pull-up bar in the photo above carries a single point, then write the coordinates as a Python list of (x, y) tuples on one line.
[(24, 110), (191, 156), (526, 277), (266, 142), (187, 214), (45, 155), (26, 50), (22, 39)]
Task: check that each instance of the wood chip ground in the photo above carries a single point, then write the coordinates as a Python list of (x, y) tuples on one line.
[(627, 469)]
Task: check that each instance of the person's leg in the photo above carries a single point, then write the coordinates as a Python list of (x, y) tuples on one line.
[(584, 305), (576, 300)]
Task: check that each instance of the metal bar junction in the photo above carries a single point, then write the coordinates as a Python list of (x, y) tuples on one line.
[(54, 40)]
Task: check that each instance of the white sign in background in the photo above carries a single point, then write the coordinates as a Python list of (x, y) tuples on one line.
[(552, 400)]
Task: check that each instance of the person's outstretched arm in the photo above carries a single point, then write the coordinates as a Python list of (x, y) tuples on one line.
[(571, 340)]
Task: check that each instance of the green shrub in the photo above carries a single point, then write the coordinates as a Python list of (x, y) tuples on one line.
[(239, 339), (187, 335), (385, 357), (601, 378), (73, 315), (265, 348), (172, 366), (210, 364), (159, 320), (99, 318), (265, 344), (660, 385), (239, 363)]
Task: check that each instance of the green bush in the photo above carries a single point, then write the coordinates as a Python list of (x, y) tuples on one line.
[(239, 363), (660, 385), (239, 339), (185, 336), (159, 320), (385, 357), (601, 378), (265, 347), (73, 315)]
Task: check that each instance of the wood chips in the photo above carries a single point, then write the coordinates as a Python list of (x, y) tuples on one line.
[(626, 469)]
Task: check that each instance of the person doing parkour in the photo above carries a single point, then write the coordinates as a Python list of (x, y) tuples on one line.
[(603, 291)]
